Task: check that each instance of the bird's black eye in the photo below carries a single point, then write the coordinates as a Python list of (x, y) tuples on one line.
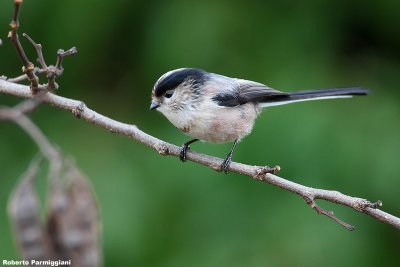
[(169, 93)]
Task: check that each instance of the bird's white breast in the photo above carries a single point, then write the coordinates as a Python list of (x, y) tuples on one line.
[(213, 123)]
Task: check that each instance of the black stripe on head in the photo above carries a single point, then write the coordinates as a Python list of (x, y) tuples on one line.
[(173, 80)]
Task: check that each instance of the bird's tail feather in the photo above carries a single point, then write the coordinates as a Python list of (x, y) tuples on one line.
[(307, 95)]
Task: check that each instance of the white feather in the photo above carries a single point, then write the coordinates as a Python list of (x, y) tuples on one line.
[(271, 104)]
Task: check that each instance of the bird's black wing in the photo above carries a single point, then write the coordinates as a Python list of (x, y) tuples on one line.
[(247, 91)]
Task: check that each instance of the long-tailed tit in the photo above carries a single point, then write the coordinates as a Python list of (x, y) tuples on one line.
[(220, 109)]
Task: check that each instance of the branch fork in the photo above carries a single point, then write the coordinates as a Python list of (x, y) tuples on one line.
[(310, 201), (29, 69)]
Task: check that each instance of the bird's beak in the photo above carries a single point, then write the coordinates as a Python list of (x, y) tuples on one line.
[(154, 104)]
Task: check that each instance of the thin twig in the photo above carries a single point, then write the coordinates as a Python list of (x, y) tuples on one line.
[(61, 54), (28, 67), (329, 214), (17, 114), (48, 150), (79, 109), (17, 79), (39, 51), (23, 77)]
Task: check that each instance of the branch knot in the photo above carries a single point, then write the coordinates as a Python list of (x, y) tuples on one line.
[(161, 149), (261, 172), (28, 69), (77, 110), (362, 204)]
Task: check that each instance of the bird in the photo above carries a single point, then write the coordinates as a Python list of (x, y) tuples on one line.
[(219, 109)]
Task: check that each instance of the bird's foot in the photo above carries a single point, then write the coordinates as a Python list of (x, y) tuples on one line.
[(184, 149), (182, 154), (225, 167)]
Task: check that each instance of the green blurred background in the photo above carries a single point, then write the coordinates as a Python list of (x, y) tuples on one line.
[(157, 211)]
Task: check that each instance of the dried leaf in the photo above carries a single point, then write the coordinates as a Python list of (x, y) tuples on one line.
[(24, 212), (74, 220)]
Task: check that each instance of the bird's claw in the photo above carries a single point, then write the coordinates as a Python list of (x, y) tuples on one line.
[(225, 167), (183, 152)]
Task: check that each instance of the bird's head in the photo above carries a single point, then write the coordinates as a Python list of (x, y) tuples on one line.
[(178, 90)]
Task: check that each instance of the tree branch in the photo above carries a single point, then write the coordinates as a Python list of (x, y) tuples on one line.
[(16, 114), (80, 110)]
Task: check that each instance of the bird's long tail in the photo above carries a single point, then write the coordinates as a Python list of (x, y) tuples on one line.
[(307, 95)]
